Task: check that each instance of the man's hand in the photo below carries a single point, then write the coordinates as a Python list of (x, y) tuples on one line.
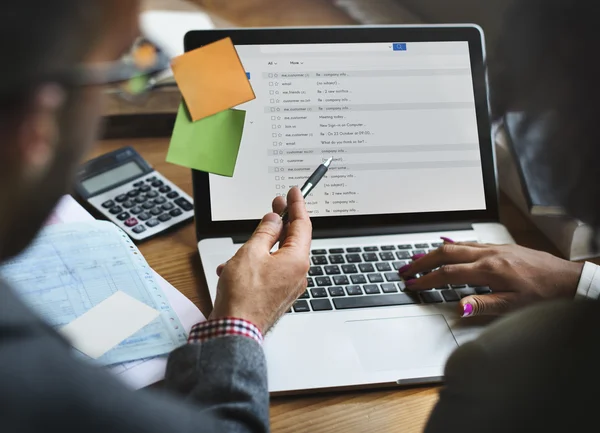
[(518, 276), (258, 286)]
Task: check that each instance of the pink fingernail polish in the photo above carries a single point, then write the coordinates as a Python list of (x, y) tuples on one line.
[(417, 256), (467, 310), (410, 281), (403, 269), (445, 239)]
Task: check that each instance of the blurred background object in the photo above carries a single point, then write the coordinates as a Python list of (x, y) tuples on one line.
[(166, 21)]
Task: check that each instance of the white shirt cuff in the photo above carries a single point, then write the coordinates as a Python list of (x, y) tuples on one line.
[(589, 282)]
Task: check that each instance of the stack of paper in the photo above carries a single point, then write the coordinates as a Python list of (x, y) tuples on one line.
[(69, 275), (208, 131), (75, 284)]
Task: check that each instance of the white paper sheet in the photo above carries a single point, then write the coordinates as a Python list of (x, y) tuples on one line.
[(107, 324)]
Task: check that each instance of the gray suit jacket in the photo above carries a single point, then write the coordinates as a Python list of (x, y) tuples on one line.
[(218, 386)]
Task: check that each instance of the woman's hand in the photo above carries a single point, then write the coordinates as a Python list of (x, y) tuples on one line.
[(518, 276)]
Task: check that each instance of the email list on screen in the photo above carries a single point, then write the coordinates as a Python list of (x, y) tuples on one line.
[(398, 119)]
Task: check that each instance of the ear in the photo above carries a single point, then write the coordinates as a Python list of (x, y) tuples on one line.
[(39, 130)]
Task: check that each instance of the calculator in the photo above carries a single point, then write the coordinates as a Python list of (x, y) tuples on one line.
[(126, 190)]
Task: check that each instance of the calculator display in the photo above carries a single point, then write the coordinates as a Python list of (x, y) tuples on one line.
[(112, 177)]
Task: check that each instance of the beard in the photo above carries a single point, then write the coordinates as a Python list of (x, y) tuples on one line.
[(78, 125)]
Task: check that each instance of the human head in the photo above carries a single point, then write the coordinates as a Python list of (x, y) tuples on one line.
[(546, 62), (46, 123)]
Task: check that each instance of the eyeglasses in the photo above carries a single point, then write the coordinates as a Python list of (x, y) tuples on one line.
[(134, 75)]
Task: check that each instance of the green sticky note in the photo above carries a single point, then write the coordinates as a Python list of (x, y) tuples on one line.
[(210, 144)]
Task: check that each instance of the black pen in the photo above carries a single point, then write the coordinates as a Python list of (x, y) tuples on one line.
[(310, 184)]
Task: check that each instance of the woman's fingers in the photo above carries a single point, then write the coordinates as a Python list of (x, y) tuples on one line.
[(444, 255), (493, 304), (465, 273)]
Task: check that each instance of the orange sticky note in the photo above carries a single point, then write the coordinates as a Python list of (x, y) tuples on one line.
[(212, 79)]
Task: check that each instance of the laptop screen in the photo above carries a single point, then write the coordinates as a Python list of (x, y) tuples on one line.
[(399, 120)]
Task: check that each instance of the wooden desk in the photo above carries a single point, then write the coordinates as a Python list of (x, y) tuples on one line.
[(175, 257)]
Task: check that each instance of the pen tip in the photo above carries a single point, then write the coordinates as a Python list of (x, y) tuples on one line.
[(328, 162)]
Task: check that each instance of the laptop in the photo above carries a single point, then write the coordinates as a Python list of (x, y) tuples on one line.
[(403, 112)]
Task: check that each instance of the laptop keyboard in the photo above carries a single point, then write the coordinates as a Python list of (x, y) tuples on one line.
[(364, 277)]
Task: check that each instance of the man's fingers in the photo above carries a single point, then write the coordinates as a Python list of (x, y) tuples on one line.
[(466, 273), (279, 204), (446, 254), (267, 233), (488, 305), (299, 232), (220, 269)]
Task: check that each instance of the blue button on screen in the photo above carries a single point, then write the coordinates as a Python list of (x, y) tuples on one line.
[(399, 47)]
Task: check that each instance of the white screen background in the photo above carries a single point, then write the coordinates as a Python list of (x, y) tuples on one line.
[(400, 125)]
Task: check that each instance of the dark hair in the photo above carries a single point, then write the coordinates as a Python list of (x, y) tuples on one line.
[(39, 39), (546, 60)]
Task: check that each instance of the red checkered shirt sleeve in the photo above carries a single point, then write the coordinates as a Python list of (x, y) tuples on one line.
[(205, 331)]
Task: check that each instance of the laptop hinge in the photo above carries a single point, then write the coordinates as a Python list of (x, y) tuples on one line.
[(347, 232)]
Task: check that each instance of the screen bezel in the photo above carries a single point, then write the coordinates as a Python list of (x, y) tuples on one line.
[(362, 225)]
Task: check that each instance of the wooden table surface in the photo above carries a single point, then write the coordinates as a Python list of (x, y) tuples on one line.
[(175, 257)]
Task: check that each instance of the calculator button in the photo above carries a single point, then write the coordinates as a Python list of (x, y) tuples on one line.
[(136, 210), (151, 179), (184, 204), (115, 210), (121, 198), (157, 183), (160, 200), (168, 206), (164, 189), (156, 211), (164, 217), (133, 193), (153, 222), (172, 194), (128, 204), (148, 205), (144, 216), (131, 222), (145, 188), (176, 212), (138, 184), (152, 194), (108, 204), (123, 216), (139, 229), (141, 199)]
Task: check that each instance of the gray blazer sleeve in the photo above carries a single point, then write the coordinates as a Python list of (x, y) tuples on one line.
[(531, 372), (221, 387), (227, 375)]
